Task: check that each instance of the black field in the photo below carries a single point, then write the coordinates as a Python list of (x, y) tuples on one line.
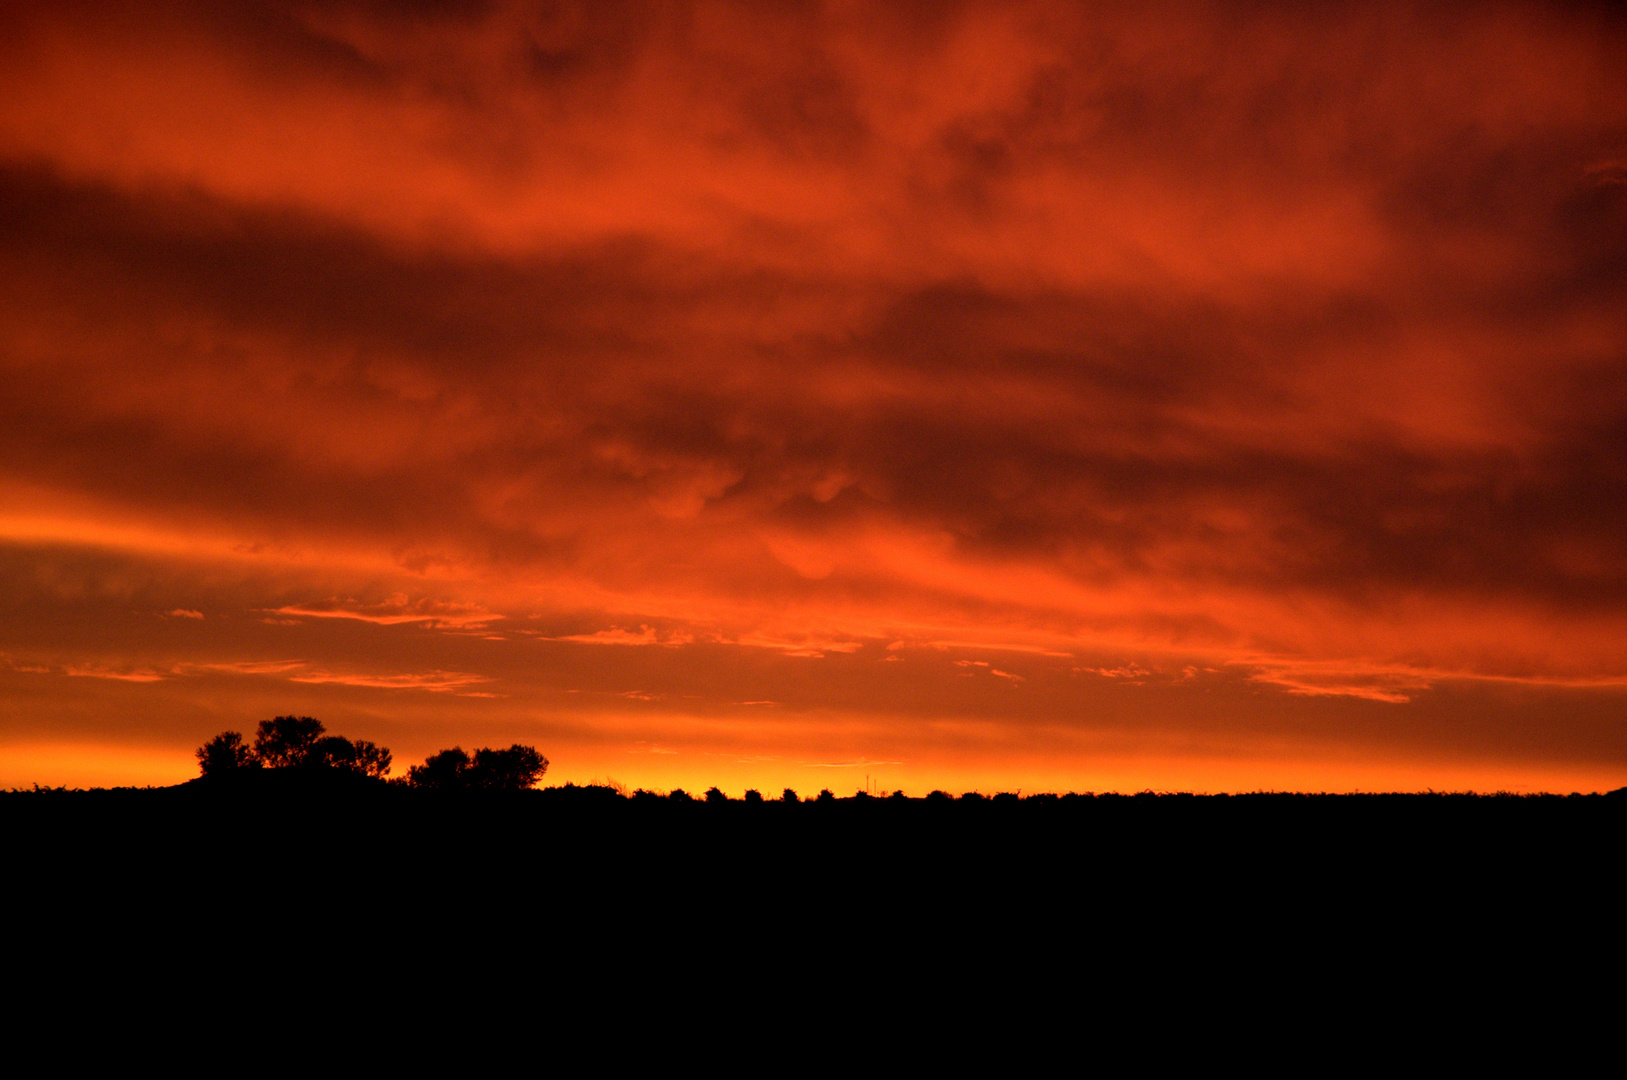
[(327, 882)]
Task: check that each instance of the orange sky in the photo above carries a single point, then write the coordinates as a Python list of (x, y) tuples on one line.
[(979, 396)]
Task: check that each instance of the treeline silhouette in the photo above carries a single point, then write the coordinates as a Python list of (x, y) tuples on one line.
[(301, 745)]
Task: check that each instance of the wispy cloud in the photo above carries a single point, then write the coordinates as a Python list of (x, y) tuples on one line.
[(395, 610), (616, 635), (240, 667), (1124, 671), (92, 671), (433, 681), (860, 763), (798, 645)]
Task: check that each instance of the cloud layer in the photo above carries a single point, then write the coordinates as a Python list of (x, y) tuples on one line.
[(905, 366)]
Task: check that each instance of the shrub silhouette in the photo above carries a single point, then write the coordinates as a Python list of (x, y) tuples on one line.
[(714, 794), (292, 742), (224, 753), (788, 796), (754, 796), (514, 769)]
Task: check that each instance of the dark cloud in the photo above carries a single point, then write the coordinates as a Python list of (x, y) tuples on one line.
[(1276, 341)]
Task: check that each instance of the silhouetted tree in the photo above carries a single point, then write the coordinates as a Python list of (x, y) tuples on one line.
[(678, 794), (442, 771), (754, 796), (286, 741), (371, 759), (330, 752), (514, 769), (338, 752), (715, 795), (826, 795), (788, 796), (225, 752)]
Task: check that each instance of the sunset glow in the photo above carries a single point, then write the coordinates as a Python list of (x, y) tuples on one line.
[(977, 396)]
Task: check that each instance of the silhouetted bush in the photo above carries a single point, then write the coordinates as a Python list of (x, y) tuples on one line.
[(224, 753), (514, 769), (679, 795), (939, 797), (788, 796), (754, 796), (715, 795), (825, 795)]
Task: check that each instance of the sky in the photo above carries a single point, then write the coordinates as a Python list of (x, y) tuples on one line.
[(977, 396)]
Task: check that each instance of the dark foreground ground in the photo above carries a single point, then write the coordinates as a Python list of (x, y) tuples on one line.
[(363, 850), (554, 907)]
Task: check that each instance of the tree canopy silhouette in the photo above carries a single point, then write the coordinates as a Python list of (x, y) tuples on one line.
[(514, 769), (443, 771), (290, 742), (224, 753), (286, 741), (338, 752)]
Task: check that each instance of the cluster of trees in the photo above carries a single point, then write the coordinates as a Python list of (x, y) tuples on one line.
[(514, 769), (292, 742), (301, 742)]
